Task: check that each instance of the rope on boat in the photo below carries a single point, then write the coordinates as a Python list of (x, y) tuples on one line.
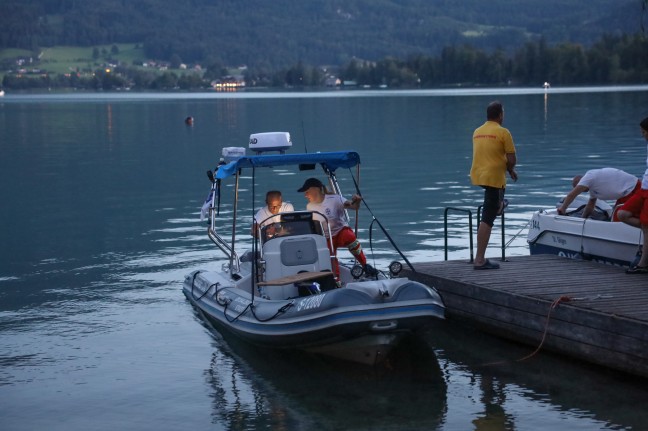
[(227, 303), (193, 280), (517, 234), (250, 306), (280, 311)]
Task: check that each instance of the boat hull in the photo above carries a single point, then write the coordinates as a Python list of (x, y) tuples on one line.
[(360, 322), (577, 238)]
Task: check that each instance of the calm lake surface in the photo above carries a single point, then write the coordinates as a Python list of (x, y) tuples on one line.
[(101, 196)]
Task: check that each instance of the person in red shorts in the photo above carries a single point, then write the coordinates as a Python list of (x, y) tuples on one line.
[(605, 184), (332, 206), (635, 213)]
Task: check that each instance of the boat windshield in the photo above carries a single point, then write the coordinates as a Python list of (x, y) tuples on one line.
[(291, 224)]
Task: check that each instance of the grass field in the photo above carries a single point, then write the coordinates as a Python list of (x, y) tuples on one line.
[(62, 59), (13, 53)]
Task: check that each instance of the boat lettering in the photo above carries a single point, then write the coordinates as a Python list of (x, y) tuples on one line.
[(310, 303), (558, 240), (569, 255), (535, 225), (239, 304)]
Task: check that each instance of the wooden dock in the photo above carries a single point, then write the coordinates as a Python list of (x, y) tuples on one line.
[(590, 311)]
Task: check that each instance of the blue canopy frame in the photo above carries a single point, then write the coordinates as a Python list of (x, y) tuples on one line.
[(330, 161)]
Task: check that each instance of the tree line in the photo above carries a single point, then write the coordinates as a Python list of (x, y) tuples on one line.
[(611, 60), (273, 34)]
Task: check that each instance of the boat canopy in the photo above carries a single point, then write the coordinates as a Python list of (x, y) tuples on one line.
[(330, 160)]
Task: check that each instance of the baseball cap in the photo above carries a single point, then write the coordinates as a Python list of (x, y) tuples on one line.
[(311, 182)]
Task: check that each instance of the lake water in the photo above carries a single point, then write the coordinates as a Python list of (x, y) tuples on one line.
[(101, 195)]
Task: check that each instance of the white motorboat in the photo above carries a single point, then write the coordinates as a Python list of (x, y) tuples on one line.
[(282, 292), (596, 238)]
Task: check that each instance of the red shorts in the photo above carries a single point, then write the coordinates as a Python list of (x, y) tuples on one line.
[(638, 206), (343, 237), (627, 197)]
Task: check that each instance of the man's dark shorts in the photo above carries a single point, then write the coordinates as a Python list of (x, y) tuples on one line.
[(493, 198)]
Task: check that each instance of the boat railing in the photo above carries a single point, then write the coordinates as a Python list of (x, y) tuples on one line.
[(470, 230), (224, 246)]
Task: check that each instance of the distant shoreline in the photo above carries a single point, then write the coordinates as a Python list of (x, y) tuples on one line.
[(308, 93)]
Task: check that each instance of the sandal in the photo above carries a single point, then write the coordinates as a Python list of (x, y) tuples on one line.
[(490, 265), (637, 270)]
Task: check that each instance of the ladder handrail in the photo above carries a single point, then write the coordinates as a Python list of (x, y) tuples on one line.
[(445, 230), (470, 229)]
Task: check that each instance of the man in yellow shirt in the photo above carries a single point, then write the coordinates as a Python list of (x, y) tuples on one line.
[(493, 157)]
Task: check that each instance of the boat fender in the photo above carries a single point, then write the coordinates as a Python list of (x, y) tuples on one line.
[(223, 300), (413, 290)]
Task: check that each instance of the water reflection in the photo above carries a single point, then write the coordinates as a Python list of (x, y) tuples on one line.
[(256, 388), (97, 264), (109, 123), (493, 398), (512, 394), (546, 109), (447, 365)]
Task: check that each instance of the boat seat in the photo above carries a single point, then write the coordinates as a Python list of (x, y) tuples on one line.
[(286, 257), (297, 278)]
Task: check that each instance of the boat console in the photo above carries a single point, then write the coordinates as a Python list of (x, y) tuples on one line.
[(293, 245), (291, 224)]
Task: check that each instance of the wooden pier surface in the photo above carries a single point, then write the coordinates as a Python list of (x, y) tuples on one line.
[(590, 311)]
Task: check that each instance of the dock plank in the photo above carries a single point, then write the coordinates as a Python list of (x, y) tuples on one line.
[(599, 314)]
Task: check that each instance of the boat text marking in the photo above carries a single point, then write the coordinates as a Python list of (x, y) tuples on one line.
[(310, 303), (239, 304)]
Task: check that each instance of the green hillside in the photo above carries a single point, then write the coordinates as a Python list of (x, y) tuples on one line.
[(273, 34), (198, 44)]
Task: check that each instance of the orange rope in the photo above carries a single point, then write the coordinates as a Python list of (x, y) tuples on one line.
[(554, 304)]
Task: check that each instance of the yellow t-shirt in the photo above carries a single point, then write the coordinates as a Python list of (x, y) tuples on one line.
[(491, 143)]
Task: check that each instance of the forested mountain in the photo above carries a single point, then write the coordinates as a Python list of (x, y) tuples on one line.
[(271, 34)]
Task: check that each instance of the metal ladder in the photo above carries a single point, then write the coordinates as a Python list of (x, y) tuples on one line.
[(470, 230)]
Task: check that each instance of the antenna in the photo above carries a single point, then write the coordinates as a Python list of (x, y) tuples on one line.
[(304, 135)]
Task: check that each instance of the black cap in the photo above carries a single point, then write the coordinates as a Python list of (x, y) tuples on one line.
[(311, 182)]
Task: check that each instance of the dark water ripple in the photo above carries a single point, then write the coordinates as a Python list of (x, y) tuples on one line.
[(94, 330)]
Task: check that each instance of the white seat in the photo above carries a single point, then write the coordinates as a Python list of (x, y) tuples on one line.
[(287, 256)]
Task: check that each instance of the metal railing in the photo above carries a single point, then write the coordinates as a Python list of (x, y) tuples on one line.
[(470, 230), (445, 230)]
